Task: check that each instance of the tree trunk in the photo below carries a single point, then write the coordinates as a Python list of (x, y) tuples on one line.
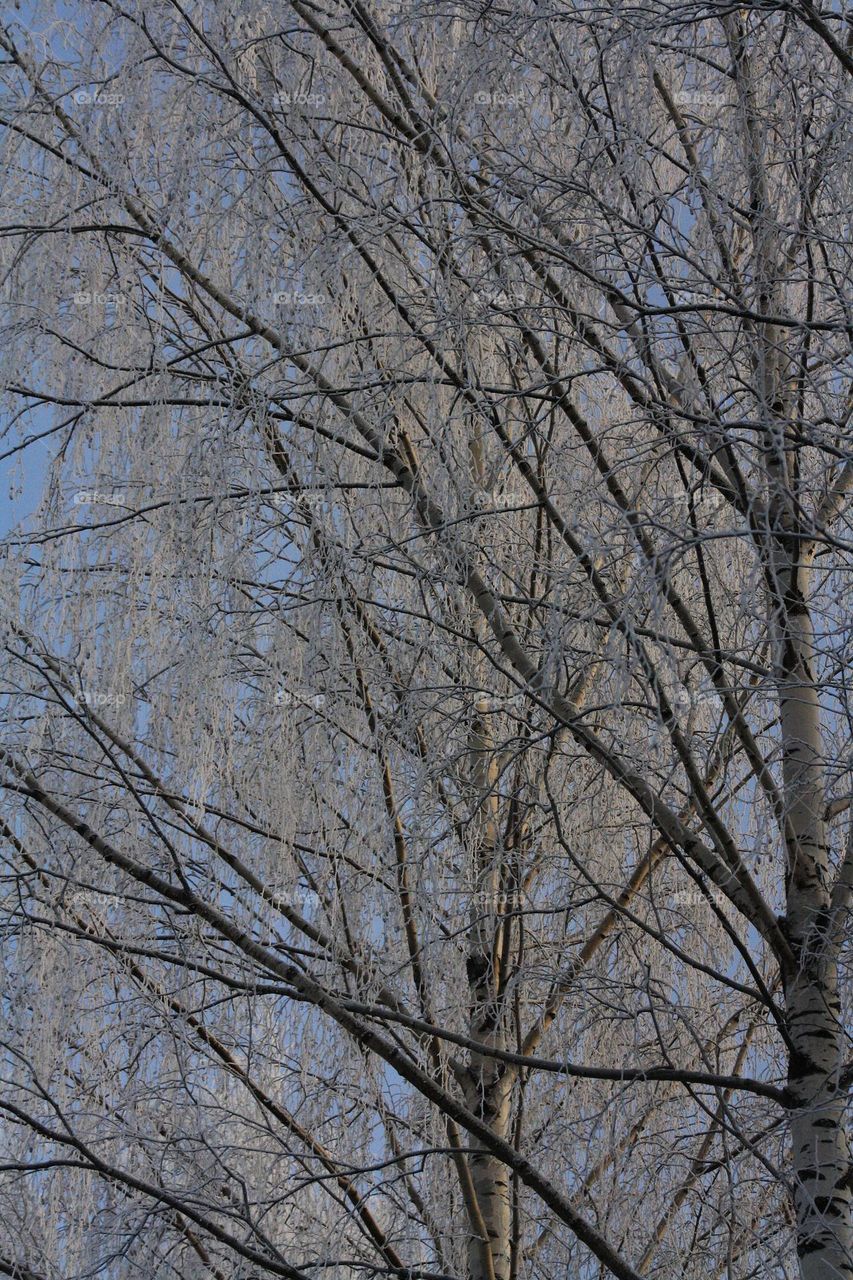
[(823, 1175), (487, 1089)]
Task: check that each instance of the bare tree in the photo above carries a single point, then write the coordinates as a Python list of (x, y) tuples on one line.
[(427, 843)]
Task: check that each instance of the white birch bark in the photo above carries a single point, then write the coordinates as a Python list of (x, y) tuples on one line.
[(820, 1139)]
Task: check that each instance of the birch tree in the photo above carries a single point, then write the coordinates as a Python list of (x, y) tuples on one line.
[(426, 841)]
